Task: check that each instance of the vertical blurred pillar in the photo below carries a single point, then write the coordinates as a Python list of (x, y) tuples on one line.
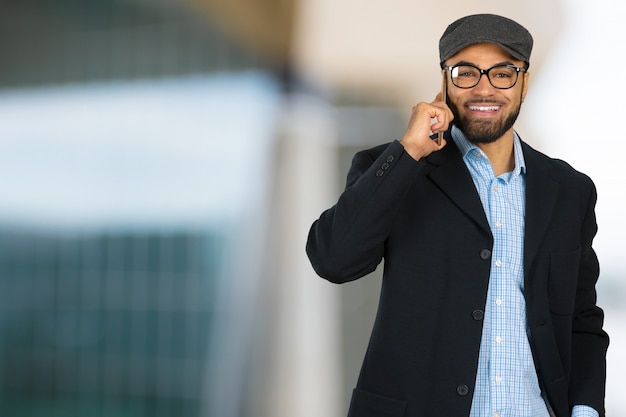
[(305, 376), (301, 373)]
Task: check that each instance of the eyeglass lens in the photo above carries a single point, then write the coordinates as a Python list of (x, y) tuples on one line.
[(467, 76)]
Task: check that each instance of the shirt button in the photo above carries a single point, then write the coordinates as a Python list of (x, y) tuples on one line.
[(498, 379), (498, 339), (498, 225), (496, 414), (498, 262), (498, 302), (485, 254)]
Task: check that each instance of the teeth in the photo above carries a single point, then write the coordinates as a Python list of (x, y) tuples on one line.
[(484, 108)]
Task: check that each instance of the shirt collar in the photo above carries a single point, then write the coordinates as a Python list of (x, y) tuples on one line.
[(465, 146)]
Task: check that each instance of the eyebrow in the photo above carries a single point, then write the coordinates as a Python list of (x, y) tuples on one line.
[(474, 65)]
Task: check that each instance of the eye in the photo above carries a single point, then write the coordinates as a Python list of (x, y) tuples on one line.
[(504, 72), (465, 72)]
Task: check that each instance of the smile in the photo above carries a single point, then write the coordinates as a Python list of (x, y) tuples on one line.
[(484, 108)]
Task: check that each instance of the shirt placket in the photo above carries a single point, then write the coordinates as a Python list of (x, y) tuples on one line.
[(497, 370)]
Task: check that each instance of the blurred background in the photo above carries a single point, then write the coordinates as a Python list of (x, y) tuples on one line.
[(161, 162)]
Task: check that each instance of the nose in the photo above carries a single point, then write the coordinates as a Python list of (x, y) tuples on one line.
[(484, 85)]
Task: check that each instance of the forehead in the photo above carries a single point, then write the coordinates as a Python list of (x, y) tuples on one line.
[(483, 54)]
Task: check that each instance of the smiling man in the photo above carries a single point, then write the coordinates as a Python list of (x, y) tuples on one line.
[(488, 301)]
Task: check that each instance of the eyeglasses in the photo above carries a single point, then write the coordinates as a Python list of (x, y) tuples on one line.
[(500, 76)]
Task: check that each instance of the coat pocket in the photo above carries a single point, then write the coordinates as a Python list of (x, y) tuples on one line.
[(563, 281), (366, 404)]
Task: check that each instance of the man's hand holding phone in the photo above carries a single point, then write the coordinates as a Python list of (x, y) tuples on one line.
[(417, 139)]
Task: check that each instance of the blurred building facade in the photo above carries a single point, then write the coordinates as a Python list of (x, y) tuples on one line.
[(117, 237)]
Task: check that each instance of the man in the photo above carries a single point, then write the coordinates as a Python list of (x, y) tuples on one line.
[(488, 301)]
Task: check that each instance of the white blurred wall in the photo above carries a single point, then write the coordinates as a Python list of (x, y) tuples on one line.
[(573, 111)]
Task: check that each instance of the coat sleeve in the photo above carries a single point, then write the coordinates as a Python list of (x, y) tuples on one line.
[(347, 241), (589, 341)]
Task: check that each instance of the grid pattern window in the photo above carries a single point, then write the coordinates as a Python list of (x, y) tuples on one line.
[(106, 325), (77, 41)]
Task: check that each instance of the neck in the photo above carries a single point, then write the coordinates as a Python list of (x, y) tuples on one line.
[(500, 153)]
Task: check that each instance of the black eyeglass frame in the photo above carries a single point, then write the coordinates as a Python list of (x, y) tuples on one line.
[(486, 72)]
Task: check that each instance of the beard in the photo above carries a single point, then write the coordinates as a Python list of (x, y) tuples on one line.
[(479, 130)]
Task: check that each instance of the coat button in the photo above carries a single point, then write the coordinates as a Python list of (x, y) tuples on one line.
[(380, 173), (462, 390), (485, 254), (390, 158), (478, 315)]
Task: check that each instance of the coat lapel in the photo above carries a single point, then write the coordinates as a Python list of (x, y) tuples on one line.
[(542, 193), (451, 175)]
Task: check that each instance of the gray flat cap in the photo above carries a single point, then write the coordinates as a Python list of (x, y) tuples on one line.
[(506, 33)]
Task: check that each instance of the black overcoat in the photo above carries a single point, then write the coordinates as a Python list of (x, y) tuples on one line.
[(425, 220)]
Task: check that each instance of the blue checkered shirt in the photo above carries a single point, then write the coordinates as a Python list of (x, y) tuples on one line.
[(506, 382)]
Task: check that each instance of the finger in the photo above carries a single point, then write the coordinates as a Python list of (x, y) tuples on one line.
[(442, 120), (449, 116)]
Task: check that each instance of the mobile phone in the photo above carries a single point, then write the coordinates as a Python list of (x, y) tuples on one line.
[(444, 91)]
